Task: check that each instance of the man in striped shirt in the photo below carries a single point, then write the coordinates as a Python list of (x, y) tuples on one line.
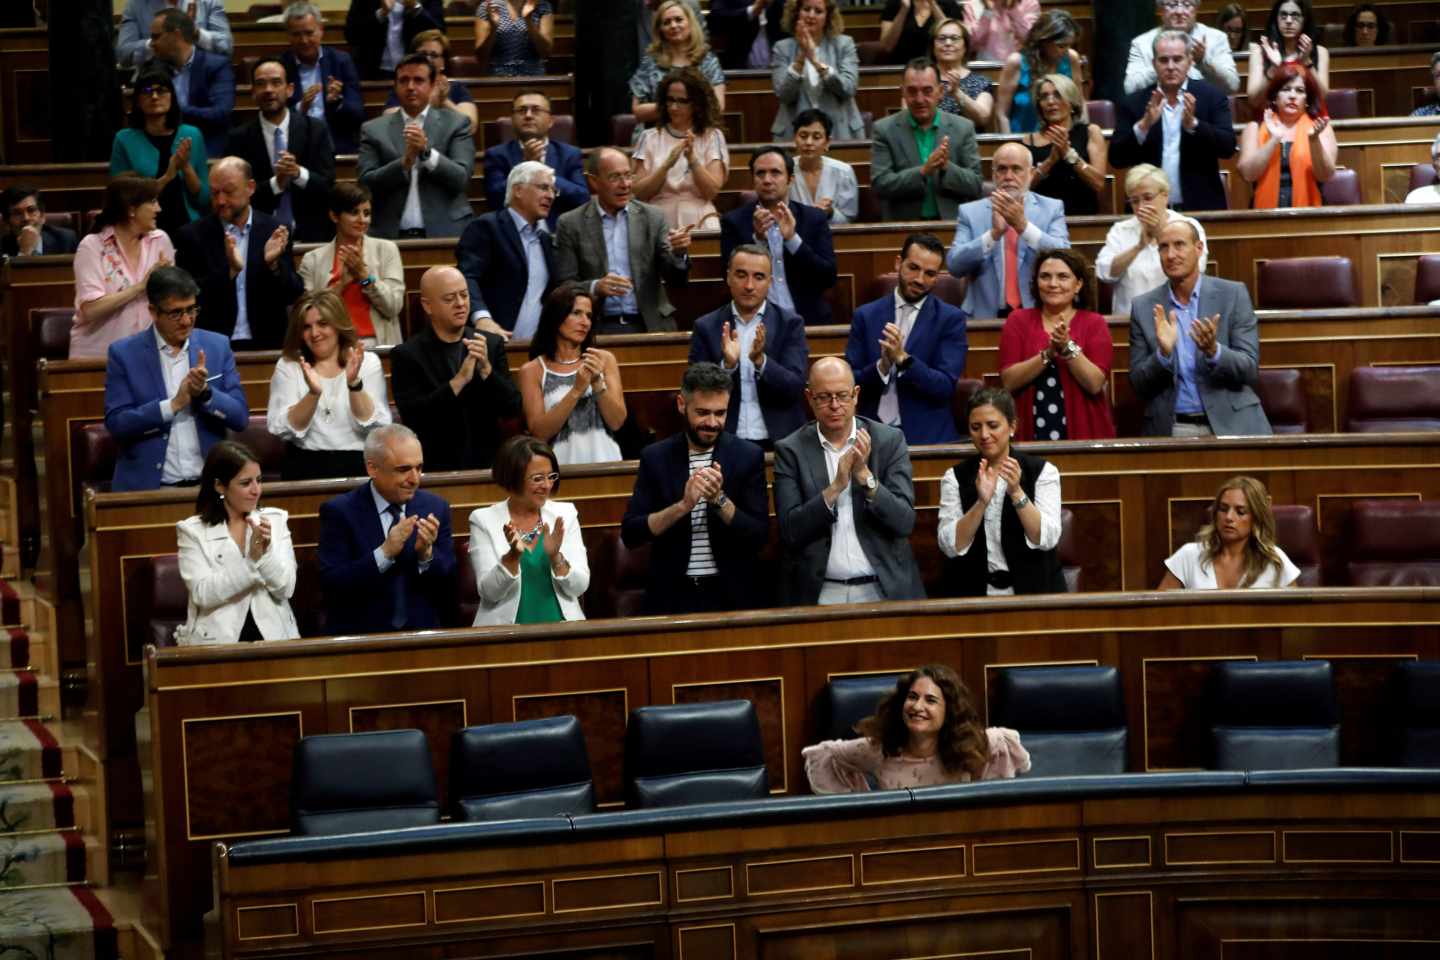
[(700, 502)]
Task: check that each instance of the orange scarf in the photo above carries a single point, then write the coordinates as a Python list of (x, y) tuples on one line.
[(1304, 189)]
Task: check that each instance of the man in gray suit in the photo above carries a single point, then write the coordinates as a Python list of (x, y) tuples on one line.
[(924, 162), (623, 248), (845, 501), (1195, 348), (417, 161)]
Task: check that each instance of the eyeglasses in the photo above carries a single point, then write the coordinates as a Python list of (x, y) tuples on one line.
[(153, 90), (615, 179), (527, 111), (678, 101), (1286, 15), (833, 399), (538, 478), (191, 311), (949, 38), (1362, 25), (1179, 4)]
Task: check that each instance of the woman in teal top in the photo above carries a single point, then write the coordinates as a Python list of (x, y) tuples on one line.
[(526, 551), (1048, 49), (156, 144)]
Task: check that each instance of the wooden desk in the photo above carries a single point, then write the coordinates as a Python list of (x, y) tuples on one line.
[(223, 721)]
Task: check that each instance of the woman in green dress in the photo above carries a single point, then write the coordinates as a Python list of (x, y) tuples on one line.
[(526, 551)]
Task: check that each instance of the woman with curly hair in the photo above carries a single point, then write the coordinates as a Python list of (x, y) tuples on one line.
[(681, 164), (1236, 549), (925, 733)]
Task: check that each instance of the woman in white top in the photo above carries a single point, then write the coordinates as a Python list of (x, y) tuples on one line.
[(1013, 497), (326, 393), (112, 265), (237, 561), (527, 551), (571, 388), (365, 271), (1430, 193), (818, 67), (820, 180), (1236, 549), (1130, 258)]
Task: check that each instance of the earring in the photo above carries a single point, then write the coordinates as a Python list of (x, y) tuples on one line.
[(222, 498)]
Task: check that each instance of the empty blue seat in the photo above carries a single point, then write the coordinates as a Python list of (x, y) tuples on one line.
[(1071, 719), (1274, 715), (354, 782), (694, 753), (533, 768), (1416, 702), (848, 700)]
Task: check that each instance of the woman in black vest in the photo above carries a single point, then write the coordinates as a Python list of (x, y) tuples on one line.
[(1000, 509)]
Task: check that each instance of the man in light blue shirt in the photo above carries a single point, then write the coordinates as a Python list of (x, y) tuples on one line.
[(132, 43)]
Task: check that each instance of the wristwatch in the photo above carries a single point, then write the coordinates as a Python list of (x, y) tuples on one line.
[(719, 502), (871, 485), (1072, 349), (1072, 157), (355, 387), (368, 281), (1021, 502)]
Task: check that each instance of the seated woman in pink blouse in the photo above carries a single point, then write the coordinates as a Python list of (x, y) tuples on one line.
[(924, 734), (112, 265)]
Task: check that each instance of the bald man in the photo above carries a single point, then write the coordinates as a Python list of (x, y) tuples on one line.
[(998, 239), (451, 381), (243, 261)]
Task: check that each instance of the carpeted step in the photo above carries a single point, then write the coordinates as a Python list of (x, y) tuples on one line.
[(23, 693), (9, 601), (14, 648), (29, 751), (30, 860), (32, 807), (61, 923)]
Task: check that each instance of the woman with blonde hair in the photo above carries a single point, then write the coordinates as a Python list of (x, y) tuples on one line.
[(816, 69), (679, 42), (326, 393), (1236, 549), (1069, 152), (1130, 258), (1049, 48)]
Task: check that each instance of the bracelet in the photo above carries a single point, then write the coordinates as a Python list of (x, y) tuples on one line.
[(355, 387), (368, 281), (1020, 502)]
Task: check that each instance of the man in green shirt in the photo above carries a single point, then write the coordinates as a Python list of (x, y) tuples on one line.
[(924, 162)]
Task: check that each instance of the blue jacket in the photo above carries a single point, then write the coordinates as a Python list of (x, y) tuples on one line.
[(967, 257), (809, 271), (925, 390), (361, 599), (565, 160), (781, 386), (492, 258), (135, 390), (212, 99), (343, 116)]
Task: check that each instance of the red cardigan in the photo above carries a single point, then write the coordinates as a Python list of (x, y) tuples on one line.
[(1087, 417)]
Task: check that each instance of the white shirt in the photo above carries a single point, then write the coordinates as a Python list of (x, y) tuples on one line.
[(1427, 194), (412, 218), (333, 426), (1145, 272), (1140, 62), (382, 562), (905, 314), (750, 424), (267, 130), (847, 559), (702, 554), (1190, 568), (182, 450), (1047, 499), (838, 182)]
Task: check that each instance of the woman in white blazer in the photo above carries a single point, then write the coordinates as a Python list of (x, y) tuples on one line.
[(818, 68), (237, 561), (366, 271), (526, 551)]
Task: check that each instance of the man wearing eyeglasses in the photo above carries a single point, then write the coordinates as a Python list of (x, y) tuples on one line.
[(531, 119), (1210, 56), (845, 501), (163, 405), (508, 256)]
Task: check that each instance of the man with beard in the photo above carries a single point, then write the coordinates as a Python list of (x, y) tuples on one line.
[(291, 155), (908, 349), (700, 502)]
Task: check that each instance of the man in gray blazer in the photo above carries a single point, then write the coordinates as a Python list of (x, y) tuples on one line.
[(623, 249), (1195, 348), (417, 161), (845, 501), (924, 162)]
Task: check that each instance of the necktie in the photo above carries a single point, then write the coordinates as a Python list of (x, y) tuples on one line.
[(283, 211), (399, 613), (1012, 268), (889, 408)]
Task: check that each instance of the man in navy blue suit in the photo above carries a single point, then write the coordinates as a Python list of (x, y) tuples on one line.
[(242, 258), (700, 502), (327, 88), (204, 81), (797, 236), (387, 561), (531, 119), (162, 405), (508, 256), (908, 349), (761, 345)]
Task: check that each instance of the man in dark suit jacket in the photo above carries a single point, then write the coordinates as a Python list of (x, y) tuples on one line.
[(1195, 112), (845, 501), (291, 155), (374, 33), (387, 560), (327, 88), (204, 81), (29, 234), (531, 120), (798, 237), (908, 349), (734, 25), (239, 248), (496, 252), (761, 345), (700, 502), (451, 381)]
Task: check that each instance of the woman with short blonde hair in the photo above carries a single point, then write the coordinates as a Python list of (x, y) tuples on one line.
[(1130, 258)]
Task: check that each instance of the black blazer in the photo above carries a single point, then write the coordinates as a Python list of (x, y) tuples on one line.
[(53, 240), (200, 250), (660, 482), (809, 271), (309, 140), (366, 35), (343, 116), (457, 431), (733, 32), (492, 258), (1201, 151)]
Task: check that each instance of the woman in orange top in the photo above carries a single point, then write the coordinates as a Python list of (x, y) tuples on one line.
[(1291, 150)]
